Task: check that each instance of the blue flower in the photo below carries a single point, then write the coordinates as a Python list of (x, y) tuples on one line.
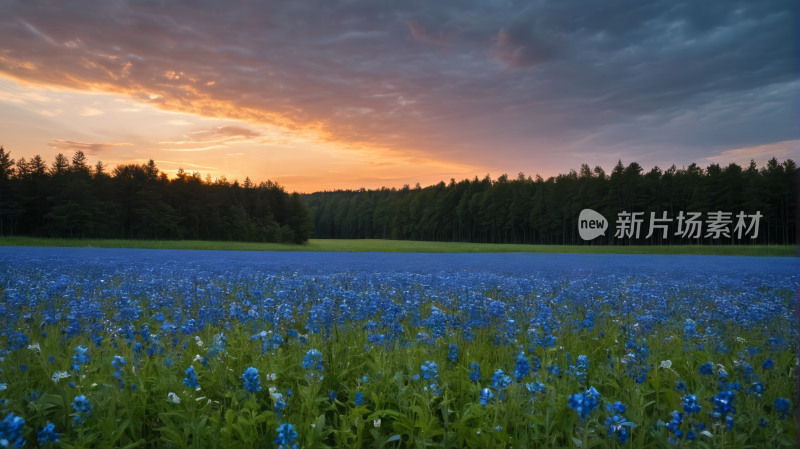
[(554, 370), (536, 387), (429, 370), (614, 425), (580, 368), (83, 408), (768, 364), (48, 434), (118, 362), (707, 369), (680, 386), (286, 436), (723, 402), (313, 360), (191, 378), (80, 356), (690, 404), (474, 371), (252, 383), (674, 425), (359, 399), (616, 408), (584, 403), (217, 345), (452, 353), (522, 367), (486, 396), (783, 406), (17, 340), (500, 380), (536, 364), (332, 396), (690, 329), (11, 430)]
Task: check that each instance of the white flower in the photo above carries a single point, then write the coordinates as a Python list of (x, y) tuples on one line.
[(3, 386), (275, 395), (666, 364), (58, 376), (34, 347), (198, 358), (174, 398), (271, 376), (376, 423)]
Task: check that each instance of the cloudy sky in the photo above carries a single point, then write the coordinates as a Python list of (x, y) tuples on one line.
[(348, 94)]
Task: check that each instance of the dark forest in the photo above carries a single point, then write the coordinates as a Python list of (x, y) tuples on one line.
[(71, 199), (532, 210)]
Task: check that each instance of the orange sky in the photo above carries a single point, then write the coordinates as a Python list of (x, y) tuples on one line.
[(362, 95)]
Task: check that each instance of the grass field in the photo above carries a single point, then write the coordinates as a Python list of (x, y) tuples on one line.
[(370, 245)]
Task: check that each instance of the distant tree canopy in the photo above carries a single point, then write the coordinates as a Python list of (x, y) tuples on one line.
[(527, 210), (70, 198)]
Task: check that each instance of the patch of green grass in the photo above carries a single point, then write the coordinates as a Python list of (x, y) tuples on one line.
[(373, 245)]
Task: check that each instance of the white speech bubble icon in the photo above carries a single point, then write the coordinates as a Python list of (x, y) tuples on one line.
[(591, 224)]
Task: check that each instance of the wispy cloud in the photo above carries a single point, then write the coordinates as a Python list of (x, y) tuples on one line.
[(759, 153), (187, 164), (194, 149), (88, 148), (88, 111)]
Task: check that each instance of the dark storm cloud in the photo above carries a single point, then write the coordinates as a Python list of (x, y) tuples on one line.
[(447, 79)]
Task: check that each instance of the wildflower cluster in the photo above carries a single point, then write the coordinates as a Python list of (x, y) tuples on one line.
[(584, 403)]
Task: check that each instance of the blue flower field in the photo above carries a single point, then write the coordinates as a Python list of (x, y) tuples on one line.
[(132, 348)]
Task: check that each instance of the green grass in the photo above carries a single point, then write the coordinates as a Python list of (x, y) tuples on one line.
[(371, 245)]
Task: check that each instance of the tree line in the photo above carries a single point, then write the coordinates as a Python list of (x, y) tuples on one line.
[(545, 211), (72, 199)]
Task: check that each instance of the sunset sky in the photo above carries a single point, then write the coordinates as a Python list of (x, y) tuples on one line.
[(329, 94)]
